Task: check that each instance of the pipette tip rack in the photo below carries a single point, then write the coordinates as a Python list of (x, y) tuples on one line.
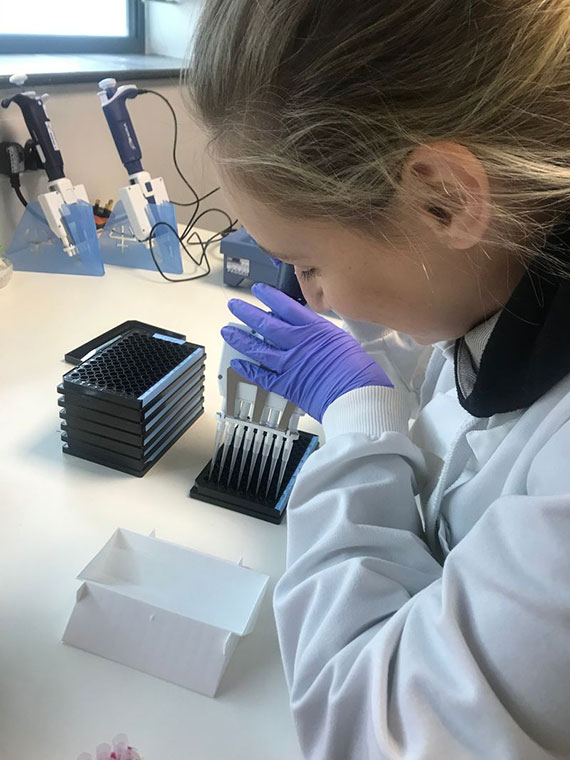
[(249, 493)]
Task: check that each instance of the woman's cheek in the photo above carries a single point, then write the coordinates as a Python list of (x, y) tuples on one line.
[(315, 297)]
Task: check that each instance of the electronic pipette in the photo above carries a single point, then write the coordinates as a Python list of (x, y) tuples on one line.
[(62, 195)]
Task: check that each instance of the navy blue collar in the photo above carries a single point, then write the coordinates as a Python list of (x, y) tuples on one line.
[(528, 351)]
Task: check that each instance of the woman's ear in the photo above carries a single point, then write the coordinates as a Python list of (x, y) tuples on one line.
[(448, 186)]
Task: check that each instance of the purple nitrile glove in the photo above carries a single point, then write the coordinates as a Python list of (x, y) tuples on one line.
[(308, 360)]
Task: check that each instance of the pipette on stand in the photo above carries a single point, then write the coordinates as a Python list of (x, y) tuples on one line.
[(65, 206)]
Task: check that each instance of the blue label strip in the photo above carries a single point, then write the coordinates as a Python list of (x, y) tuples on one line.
[(147, 397), (169, 338)]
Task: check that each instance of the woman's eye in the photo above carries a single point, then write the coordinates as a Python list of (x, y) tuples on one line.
[(307, 274)]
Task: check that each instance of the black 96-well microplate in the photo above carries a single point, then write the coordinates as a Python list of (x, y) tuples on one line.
[(130, 368)]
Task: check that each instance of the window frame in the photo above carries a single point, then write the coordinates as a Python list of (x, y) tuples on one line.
[(12, 44)]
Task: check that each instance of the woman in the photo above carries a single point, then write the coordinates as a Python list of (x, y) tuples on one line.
[(411, 158)]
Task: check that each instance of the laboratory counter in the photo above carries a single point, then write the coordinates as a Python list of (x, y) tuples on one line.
[(57, 512)]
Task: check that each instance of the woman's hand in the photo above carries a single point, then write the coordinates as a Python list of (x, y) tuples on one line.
[(306, 358)]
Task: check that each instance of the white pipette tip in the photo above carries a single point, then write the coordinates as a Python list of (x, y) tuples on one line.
[(275, 456), (238, 437), (220, 429), (247, 441), (265, 450), (285, 456), (254, 456), (228, 441), (70, 250)]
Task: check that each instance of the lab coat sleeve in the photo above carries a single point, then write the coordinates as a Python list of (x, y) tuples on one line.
[(389, 655)]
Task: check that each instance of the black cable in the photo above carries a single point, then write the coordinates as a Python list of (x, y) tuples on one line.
[(192, 203), (204, 245), (15, 183), (18, 192), (196, 200), (186, 237), (203, 258), (215, 238), (199, 216)]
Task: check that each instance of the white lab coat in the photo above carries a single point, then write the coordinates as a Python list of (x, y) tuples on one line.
[(389, 654)]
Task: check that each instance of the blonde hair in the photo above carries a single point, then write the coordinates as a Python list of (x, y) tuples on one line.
[(313, 105)]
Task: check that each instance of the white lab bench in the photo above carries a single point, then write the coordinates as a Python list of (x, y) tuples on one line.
[(57, 511)]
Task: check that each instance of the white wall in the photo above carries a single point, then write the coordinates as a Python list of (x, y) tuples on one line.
[(91, 158)]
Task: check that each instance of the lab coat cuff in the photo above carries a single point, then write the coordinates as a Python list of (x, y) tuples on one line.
[(372, 410)]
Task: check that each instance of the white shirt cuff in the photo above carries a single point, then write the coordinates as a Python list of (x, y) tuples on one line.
[(372, 410)]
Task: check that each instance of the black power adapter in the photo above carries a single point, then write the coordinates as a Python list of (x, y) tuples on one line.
[(12, 162), (15, 159)]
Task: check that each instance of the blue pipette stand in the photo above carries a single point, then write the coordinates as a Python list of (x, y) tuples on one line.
[(35, 248), (120, 247)]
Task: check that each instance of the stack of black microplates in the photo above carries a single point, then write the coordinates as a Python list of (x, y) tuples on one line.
[(133, 392)]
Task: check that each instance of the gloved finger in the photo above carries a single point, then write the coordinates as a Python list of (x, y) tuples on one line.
[(265, 378), (284, 306), (253, 347), (263, 322)]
